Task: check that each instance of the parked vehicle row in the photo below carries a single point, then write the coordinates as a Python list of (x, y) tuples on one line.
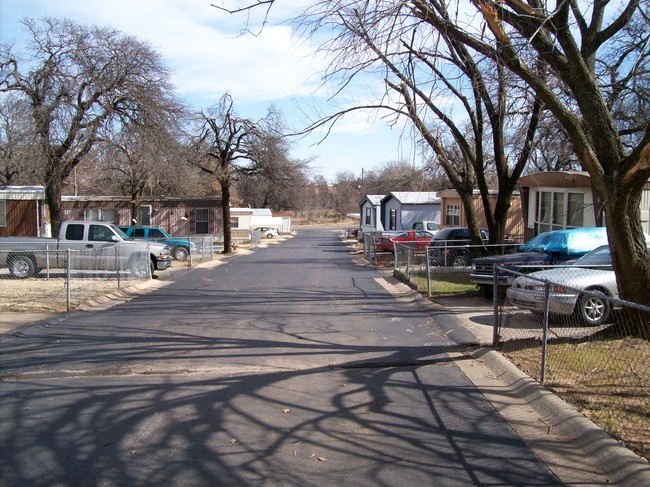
[(94, 246), (581, 279), (548, 248)]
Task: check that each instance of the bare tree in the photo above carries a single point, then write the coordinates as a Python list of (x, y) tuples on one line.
[(18, 158), (222, 149), (596, 67), (78, 81), (422, 71), (273, 180), (597, 56), (397, 176)]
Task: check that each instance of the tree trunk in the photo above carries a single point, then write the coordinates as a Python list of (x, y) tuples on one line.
[(467, 197), (53, 197), (225, 211), (629, 254)]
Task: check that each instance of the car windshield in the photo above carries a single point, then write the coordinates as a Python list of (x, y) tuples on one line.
[(599, 256), (120, 232), (443, 234)]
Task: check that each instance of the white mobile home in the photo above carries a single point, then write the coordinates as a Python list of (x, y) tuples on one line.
[(400, 209), (370, 213)]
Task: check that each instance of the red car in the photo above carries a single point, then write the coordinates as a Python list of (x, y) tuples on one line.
[(414, 238)]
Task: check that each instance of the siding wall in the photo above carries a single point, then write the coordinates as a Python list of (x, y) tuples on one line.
[(514, 222), (22, 219), (176, 216)]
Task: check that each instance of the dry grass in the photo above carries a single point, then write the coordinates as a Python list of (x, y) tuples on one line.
[(40, 294), (608, 381)]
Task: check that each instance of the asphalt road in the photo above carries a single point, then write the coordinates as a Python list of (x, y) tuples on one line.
[(293, 365)]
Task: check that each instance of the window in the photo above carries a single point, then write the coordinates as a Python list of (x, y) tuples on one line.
[(156, 233), (99, 215), (575, 210), (100, 233), (91, 215), (3, 213), (138, 233), (234, 222), (559, 210), (202, 226), (108, 216), (74, 231), (392, 224), (452, 215), (368, 216)]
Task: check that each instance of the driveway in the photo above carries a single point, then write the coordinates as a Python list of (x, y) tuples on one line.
[(293, 365)]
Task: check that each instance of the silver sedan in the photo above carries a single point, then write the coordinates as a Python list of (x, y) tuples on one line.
[(592, 273)]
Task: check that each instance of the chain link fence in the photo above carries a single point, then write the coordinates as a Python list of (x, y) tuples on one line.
[(201, 249), (444, 268), (60, 280), (566, 328), (370, 251)]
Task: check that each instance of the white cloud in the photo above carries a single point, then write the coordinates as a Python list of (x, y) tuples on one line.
[(208, 55)]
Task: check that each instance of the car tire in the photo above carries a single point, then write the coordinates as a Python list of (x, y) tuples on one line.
[(460, 260), (486, 291), (593, 309), (180, 253), (269, 235), (22, 266)]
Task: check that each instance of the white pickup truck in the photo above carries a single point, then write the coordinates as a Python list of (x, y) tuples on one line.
[(83, 245)]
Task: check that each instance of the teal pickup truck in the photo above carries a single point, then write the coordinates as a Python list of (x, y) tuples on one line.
[(180, 246)]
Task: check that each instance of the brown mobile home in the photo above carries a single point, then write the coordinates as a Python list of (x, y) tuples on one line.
[(23, 212), (179, 216), (453, 212)]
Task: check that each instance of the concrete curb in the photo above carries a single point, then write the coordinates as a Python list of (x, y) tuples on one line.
[(557, 432), (621, 466)]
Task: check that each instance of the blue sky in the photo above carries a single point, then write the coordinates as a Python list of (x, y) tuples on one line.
[(207, 56)]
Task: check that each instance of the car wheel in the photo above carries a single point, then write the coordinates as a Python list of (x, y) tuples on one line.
[(593, 309), (22, 266), (459, 261), (487, 291), (269, 235), (180, 253)]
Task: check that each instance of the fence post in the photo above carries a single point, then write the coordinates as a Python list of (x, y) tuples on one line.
[(47, 260), (428, 273), (542, 374), (68, 291), (118, 266), (409, 253), (495, 306)]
